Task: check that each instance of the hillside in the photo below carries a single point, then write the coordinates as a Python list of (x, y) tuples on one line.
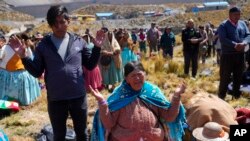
[(7, 14), (137, 20)]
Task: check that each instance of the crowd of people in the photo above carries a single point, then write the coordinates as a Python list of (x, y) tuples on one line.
[(137, 110)]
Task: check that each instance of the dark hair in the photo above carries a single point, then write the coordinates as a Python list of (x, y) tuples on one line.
[(234, 9), (55, 11), (2, 36), (24, 36), (105, 29), (131, 66), (201, 26)]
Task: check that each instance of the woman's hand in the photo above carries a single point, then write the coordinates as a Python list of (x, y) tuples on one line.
[(98, 96), (180, 90), (17, 45), (109, 53), (100, 37), (116, 52)]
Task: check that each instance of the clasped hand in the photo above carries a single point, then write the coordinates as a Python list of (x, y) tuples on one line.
[(240, 46)]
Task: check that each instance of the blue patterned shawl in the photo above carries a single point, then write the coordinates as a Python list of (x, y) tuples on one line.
[(124, 95)]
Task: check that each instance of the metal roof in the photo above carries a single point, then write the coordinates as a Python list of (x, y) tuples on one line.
[(214, 4), (104, 14)]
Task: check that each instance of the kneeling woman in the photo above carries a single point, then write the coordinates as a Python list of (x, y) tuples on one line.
[(15, 81), (138, 111)]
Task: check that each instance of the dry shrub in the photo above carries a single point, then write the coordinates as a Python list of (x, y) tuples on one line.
[(241, 102), (159, 65), (174, 67), (15, 16), (20, 138), (5, 28), (178, 40), (43, 28), (208, 86)]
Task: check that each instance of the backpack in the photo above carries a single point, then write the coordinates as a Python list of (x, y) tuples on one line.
[(47, 134)]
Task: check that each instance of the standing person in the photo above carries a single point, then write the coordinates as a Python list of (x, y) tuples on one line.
[(234, 36), (15, 81), (190, 47), (93, 77), (167, 42), (203, 44), (217, 46), (137, 110), (128, 50), (152, 38), (210, 35), (142, 41), (134, 36), (61, 55), (159, 38), (111, 71)]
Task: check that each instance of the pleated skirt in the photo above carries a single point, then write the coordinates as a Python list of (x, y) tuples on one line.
[(19, 85)]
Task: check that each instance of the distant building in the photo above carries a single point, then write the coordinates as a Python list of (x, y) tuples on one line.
[(149, 13), (217, 5), (168, 11), (105, 15)]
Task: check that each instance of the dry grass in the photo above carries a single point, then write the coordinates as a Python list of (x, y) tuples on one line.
[(5, 28), (14, 16), (24, 125)]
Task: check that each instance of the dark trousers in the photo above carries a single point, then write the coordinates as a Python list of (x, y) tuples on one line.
[(168, 51), (191, 56), (142, 46), (210, 50), (153, 46), (231, 64), (58, 114), (247, 57)]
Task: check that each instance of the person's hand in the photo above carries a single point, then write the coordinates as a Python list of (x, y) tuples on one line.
[(100, 37), (240, 46), (194, 41), (116, 52), (109, 53), (180, 90), (17, 45), (98, 96)]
